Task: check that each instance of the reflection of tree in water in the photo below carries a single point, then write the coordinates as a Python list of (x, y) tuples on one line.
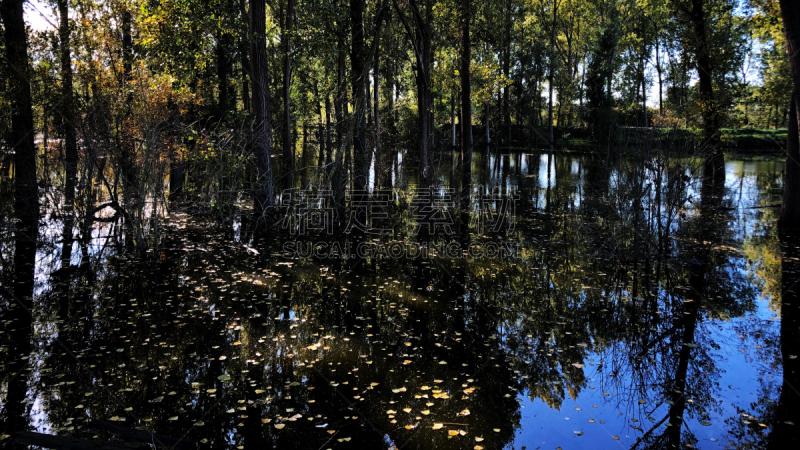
[(18, 324), (329, 340)]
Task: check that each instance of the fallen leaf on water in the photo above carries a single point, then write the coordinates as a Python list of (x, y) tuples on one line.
[(437, 426), (280, 425)]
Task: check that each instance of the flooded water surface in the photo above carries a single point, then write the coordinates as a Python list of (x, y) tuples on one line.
[(581, 303)]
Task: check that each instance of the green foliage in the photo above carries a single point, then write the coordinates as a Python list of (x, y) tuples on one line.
[(600, 111)]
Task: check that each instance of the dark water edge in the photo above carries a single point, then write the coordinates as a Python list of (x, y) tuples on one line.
[(636, 314)]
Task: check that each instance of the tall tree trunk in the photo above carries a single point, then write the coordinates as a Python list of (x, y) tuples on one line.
[(644, 88), (304, 156), (262, 135), (422, 41), (338, 169), (288, 142), (245, 62), (391, 123), (222, 75), (67, 109), (714, 158), (368, 98), (26, 197), (358, 85), (466, 102), (376, 98), (453, 119), (26, 208), (550, 78), (223, 70), (790, 214), (424, 92), (661, 83), (127, 149), (486, 122), (506, 115), (328, 133)]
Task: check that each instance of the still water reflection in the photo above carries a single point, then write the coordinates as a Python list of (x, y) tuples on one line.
[(637, 313)]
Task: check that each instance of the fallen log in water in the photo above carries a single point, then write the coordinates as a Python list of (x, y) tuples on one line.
[(65, 443), (127, 434)]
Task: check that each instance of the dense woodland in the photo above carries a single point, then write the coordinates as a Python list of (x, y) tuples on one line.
[(233, 98), (146, 147)]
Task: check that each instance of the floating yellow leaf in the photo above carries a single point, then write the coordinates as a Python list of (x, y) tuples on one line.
[(437, 426), (280, 425), (452, 432)]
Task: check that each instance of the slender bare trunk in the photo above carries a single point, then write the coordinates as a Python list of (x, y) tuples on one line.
[(466, 101), (67, 108), (262, 135), (288, 142)]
